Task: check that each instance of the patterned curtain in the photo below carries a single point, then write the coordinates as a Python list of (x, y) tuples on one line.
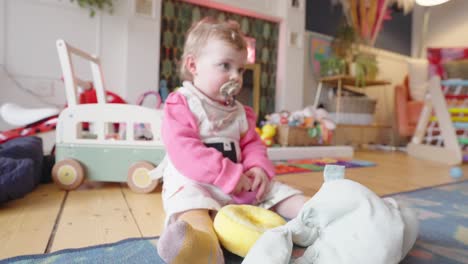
[(178, 16)]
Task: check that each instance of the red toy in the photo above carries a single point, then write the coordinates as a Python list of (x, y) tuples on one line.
[(89, 97), (41, 126)]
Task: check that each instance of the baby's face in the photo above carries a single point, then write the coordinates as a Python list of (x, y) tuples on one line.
[(218, 63)]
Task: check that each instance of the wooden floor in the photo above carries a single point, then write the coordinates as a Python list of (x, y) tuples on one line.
[(49, 219)]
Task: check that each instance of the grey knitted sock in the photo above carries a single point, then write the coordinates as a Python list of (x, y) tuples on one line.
[(181, 243)]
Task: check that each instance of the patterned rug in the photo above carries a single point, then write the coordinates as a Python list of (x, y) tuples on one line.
[(443, 235), (309, 165), (443, 231)]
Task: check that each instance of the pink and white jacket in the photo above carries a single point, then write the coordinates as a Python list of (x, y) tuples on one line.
[(192, 120)]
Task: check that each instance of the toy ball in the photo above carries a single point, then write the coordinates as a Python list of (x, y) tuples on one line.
[(309, 122), (456, 172), (294, 123), (284, 120), (239, 226)]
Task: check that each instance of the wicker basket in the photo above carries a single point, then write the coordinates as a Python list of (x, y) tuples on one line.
[(297, 136), (354, 104)]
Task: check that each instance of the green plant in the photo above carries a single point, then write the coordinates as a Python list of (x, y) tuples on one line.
[(332, 66), (344, 44), (366, 68), (94, 5)]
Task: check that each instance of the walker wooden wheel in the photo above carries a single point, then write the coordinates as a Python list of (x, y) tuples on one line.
[(139, 179), (68, 174)]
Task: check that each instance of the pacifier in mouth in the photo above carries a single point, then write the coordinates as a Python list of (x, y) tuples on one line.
[(229, 90)]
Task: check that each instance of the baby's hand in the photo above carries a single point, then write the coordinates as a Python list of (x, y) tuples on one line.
[(243, 185), (259, 181)]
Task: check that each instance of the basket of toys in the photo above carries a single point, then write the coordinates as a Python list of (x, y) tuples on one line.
[(301, 136), (355, 104), (306, 127), (357, 110)]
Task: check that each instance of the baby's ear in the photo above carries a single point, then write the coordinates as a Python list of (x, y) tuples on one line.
[(190, 64)]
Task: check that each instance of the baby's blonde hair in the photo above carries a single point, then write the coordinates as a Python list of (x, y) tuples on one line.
[(201, 32)]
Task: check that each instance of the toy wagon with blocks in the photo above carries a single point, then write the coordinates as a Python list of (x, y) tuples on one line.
[(104, 142)]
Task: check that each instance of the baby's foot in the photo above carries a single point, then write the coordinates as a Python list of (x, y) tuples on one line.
[(181, 243)]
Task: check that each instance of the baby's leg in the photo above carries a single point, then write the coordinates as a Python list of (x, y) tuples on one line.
[(191, 239), (291, 206)]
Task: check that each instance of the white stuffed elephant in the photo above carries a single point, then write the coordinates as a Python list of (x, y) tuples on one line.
[(344, 222)]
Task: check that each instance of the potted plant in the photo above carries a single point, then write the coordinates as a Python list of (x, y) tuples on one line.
[(332, 66), (365, 68), (344, 44), (94, 5)]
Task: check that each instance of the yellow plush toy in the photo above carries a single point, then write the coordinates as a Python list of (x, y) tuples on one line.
[(268, 134), (239, 226)]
